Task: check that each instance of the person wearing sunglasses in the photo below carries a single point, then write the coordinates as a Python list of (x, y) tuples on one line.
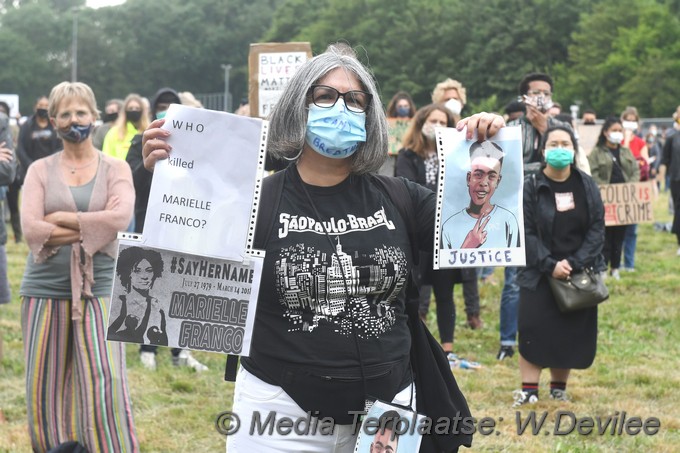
[(330, 328)]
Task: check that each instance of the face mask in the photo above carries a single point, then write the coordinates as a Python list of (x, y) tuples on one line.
[(42, 113), (630, 125), (75, 133), (403, 112), (654, 131), (428, 131), (454, 105), (589, 122), (615, 137), (110, 117), (559, 158), (335, 132), (133, 115), (161, 115)]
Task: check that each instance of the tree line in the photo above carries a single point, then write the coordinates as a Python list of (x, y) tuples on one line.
[(603, 54)]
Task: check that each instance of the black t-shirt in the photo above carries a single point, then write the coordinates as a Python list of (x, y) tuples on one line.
[(617, 172), (303, 318), (571, 216)]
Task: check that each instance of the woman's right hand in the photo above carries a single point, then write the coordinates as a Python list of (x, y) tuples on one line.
[(154, 146), (6, 154)]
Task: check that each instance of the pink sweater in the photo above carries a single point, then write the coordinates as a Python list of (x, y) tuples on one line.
[(45, 191)]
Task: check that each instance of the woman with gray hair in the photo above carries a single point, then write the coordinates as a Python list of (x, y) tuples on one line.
[(330, 328)]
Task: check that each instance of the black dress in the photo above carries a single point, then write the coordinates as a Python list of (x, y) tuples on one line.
[(548, 337)]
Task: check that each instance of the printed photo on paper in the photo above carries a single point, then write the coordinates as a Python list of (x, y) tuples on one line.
[(479, 210), (387, 428), (165, 298)]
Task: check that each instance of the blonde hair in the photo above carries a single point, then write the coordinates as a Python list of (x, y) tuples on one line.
[(448, 84), (186, 98), (77, 90), (121, 122), (628, 111)]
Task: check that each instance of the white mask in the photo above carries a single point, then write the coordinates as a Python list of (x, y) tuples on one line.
[(428, 131), (615, 137), (454, 105), (630, 125)]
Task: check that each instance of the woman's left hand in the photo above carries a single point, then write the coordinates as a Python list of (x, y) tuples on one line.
[(562, 270), (486, 125)]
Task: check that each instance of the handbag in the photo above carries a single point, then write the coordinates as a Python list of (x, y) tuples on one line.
[(581, 290)]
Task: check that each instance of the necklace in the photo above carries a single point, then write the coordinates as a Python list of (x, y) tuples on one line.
[(73, 169)]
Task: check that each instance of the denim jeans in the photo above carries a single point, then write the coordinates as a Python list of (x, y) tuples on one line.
[(509, 307), (484, 272), (629, 244)]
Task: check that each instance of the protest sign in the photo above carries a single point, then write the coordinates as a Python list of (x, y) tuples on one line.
[(628, 203), (587, 136), (397, 129), (12, 101), (183, 301), (271, 66), (203, 199), (480, 219), (390, 428)]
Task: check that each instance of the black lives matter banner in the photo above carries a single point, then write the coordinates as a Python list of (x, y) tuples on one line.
[(167, 298), (271, 66)]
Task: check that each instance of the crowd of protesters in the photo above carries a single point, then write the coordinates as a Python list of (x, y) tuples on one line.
[(83, 180)]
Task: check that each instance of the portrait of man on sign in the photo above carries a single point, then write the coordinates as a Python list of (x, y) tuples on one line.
[(482, 223)]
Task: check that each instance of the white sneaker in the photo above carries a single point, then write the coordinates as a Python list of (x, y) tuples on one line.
[(678, 252), (615, 274), (186, 359), (148, 360), (521, 397)]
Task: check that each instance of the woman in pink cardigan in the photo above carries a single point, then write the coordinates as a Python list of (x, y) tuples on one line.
[(74, 204)]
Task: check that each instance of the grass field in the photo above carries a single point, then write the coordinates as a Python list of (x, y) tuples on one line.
[(636, 370)]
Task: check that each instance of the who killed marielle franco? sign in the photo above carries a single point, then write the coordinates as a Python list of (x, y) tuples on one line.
[(203, 197), (628, 203), (184, 301)]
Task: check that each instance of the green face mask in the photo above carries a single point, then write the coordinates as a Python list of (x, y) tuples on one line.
[(559, 158), (161, 115)]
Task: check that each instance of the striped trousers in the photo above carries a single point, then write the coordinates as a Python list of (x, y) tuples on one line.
[(76, 385)]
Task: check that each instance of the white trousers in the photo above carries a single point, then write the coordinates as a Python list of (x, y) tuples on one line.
[(255, 400)]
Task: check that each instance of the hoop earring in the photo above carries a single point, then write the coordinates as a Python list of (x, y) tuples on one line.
[(292, 158)]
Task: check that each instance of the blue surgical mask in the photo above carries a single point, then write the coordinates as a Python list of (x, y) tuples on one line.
[(403, 112), (559, 158), (161, 115), (335, 132), (75, 133)]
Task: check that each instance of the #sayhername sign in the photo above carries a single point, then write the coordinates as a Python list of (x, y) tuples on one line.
[(203, 198), (271, 66), (628, 203), (173, 299)]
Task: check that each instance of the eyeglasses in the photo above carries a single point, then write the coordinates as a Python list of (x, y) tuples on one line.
[(546, 94), (324, 96)]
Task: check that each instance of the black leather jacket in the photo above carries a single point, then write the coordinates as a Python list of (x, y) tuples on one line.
[(539, 212)]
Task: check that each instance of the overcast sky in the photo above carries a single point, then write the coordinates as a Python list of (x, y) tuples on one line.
[(100, 3)]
